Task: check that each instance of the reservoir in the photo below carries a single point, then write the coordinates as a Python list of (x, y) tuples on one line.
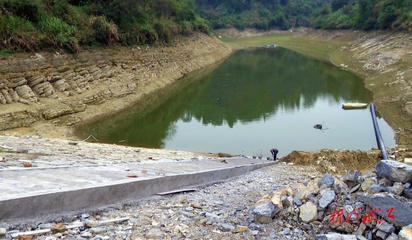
[(255, 100)]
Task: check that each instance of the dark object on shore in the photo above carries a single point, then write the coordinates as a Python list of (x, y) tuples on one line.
[(318, 126), (274, 152)]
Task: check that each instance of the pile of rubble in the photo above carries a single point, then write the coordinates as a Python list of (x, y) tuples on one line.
[(375, 205)]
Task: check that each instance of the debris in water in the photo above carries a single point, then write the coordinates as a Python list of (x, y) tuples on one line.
[(318, 126)]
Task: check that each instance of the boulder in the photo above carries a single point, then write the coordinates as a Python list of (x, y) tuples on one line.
[(394, 171), (36, 80), (264, 212), (327, 196), (326, 181), (61, 85), (402, 211), (386, 227), (44, 89), (406, 233), (352, 178), (397, 188), (15, 82), (26, 93), (381, 234), (303, 191), (375, 188), (367, 183), (393, 236), (308, 212)]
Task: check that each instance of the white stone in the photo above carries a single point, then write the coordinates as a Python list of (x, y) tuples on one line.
[(308, 212)]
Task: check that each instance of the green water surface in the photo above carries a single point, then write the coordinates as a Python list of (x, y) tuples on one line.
[(255, 100)]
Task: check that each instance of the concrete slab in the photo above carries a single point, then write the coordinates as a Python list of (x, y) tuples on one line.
[(35, 192)]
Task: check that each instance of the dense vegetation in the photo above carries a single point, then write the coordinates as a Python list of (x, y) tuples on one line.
[(39, 24), (261, 14), (364, 14), (36, 24), (328, 14)]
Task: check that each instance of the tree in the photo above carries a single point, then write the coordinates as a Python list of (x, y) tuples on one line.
[(387, 16), (338, 4)]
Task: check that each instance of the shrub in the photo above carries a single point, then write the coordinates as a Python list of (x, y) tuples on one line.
[(387, 16), (105, 31), (186, 27), (199, 24), (163, 30), (147, 34), (57, 33), (28, 9), (16, 32)]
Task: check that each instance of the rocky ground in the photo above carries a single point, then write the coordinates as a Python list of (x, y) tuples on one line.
[(278, 202), (375, 205), (219, 211)]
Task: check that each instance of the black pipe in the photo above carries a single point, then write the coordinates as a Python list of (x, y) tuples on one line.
[(378, 135)]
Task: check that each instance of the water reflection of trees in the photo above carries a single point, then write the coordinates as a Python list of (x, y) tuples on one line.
[(253, 84), (250, 85)]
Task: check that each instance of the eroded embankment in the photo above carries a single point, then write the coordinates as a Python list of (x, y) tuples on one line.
[(46, 94)]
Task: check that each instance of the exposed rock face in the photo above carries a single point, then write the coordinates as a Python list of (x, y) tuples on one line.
[(63, 109), (95, 77), (18, 119), (394, 171), (26, 92)]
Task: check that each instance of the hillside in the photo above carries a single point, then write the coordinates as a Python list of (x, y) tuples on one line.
[(40, 24), (33, 25), (327, 14)]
